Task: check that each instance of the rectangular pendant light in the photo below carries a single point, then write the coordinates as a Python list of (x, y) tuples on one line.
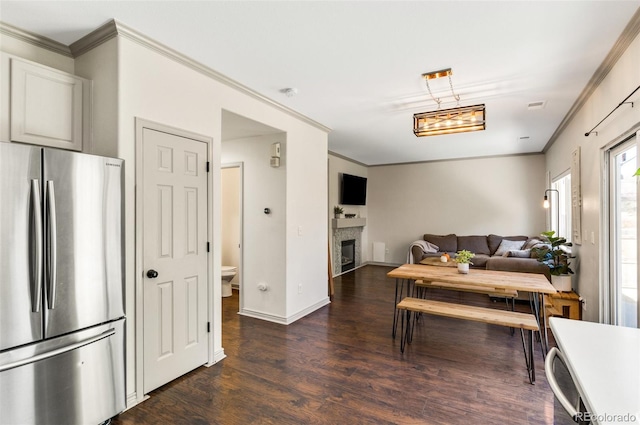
[(449, 121)]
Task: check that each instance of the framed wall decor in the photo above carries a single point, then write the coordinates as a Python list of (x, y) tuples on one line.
[(576, 198)]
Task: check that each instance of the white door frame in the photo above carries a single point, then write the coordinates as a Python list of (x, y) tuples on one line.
[(240, 165), (141, 124), (606, 312)]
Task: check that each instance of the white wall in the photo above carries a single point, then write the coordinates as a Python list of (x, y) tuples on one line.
[(337, 166), (618, 84), (100, 65), (500, 195), (264, 234), (307, 254)]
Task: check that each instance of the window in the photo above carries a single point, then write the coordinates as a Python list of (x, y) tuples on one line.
[(561, 210)]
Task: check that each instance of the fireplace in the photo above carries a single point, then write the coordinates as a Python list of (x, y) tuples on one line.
[(347, 231), (348, 254)]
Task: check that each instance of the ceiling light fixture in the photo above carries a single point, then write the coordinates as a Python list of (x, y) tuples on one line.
[(460, 119)]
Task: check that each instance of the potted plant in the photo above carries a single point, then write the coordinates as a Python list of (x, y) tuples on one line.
[(337, 211), (463, 258), (556, 256)]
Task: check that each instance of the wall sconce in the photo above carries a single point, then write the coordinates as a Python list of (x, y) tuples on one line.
[(275, 155)]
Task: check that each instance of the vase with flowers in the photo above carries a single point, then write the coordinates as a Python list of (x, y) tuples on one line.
[(463, 258)]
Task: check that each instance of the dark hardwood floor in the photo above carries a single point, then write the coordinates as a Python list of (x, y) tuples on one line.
[(339, 365)]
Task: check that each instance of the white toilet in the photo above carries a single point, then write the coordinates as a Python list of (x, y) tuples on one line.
[(228, 273)]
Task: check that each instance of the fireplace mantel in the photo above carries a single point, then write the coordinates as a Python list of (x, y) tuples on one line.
[(341, 223)]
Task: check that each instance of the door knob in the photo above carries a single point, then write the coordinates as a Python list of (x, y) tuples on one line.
[(152, 274)]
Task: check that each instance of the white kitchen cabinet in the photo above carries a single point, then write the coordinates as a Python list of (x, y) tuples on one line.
[(48, 107)]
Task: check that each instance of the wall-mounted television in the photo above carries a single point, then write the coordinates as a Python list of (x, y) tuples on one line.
[(353, 190)]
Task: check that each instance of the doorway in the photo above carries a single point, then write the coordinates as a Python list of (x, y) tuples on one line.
[(623, 234), (232, 219)]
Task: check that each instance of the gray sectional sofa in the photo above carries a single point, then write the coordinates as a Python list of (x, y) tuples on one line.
[(493, 252)]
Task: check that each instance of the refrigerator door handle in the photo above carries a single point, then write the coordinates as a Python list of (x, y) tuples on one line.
[(52, 245), (57, 351), (36, 287)]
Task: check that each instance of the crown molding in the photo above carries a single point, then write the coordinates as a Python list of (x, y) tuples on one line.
[(114, 28), (346, 158), (35, 39), (469, 158), (629, 34), (431, 161), (95, 38)]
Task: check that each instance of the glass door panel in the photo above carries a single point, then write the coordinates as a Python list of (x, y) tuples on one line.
[(624, 235)]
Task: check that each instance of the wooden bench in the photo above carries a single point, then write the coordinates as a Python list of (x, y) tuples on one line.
[(492, 292), (522, 321)]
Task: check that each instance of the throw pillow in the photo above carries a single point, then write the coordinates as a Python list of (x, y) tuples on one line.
[(506, 245), (494, 241), (519, 253), (532, 242), (535, 243)]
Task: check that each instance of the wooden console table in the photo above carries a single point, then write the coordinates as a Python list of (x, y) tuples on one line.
[(564, 304)]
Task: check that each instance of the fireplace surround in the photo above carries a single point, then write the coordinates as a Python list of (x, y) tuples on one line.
[(345, 234)]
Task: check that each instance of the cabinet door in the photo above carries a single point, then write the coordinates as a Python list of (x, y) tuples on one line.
[(46, 106)]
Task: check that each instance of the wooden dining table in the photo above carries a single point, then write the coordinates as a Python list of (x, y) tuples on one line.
[(537, 285)]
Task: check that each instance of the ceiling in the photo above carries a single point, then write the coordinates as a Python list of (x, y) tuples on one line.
[(357, 65)]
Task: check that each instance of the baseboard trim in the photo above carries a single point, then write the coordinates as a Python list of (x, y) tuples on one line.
[(308, 310), (132, 400), (284, 320), (379, 263), (217, 356), (348, 271)]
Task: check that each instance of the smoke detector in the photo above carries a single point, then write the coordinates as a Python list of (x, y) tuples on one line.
[(289, 91)]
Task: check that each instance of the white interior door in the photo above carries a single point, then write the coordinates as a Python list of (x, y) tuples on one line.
[(175, 256)]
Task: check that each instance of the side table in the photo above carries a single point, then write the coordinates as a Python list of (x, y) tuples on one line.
[(564, 304)]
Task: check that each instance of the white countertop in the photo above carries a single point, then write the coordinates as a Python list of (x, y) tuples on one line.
[(604, 361)]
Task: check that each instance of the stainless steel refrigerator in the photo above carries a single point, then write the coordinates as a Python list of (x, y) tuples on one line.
[(61, 287)]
